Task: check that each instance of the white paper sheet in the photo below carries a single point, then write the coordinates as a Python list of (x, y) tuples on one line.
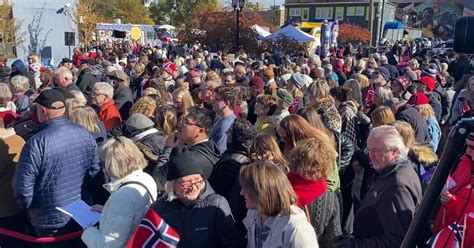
[(450, 183), (81, 213)]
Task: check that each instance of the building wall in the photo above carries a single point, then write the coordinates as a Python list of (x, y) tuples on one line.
[(355, 12), (275, 17), (24, 11)]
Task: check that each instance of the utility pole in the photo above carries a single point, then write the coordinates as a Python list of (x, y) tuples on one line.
[(371, 22)]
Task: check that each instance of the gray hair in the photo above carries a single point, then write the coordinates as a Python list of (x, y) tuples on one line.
[(79, 96), (169, 189), (5, 92), (391, 138), (20, 83), (104, 88), (384, 92)]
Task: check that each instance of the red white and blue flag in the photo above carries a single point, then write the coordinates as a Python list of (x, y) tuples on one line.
[(153, 232), (451, 236)]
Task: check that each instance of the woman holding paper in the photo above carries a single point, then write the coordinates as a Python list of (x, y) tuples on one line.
[(132, 193)]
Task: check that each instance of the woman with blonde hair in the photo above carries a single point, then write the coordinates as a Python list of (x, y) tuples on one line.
[(382, 115), (407, 132), (320, 98), (265, 148), (422, 103), (273, 219), (182, 101), (356, 94), (87, 117), (146, 106), (132, 193), (166, 119), (71, 104), (308, 174)]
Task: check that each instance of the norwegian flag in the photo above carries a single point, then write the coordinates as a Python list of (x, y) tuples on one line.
[(450, 236), (153, 232)]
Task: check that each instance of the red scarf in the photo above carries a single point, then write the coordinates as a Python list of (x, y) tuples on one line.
[(306, 190)]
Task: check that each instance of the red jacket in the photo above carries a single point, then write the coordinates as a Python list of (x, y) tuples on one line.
[(7, 116), (456, 208), (110, 115)]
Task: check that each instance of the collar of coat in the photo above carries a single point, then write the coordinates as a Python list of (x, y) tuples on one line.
[(389, 169), (116, 183)]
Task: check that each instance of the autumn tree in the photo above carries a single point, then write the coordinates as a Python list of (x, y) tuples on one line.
[(217, 30), (349, 32), (133, 11), (176, 12), (9, 39), (86, 19)]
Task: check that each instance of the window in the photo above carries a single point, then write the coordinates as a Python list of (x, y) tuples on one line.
[(324, 13), (351, 11), (360, 11), (339, 13), (305, 14), (295, 12)]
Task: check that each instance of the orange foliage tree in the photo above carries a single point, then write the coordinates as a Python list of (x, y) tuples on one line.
[(349, 32), (217, 29)]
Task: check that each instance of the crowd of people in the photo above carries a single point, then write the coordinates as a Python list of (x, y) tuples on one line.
[(234, 151)]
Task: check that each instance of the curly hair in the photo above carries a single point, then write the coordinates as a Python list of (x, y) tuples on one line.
[(230, 94), (243, 134), (145, 105), (306, 160)]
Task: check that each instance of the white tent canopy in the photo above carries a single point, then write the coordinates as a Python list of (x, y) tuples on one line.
[(291, 32), (261, 31)]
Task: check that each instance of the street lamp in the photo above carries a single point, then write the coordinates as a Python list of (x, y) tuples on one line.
[(238, 5)]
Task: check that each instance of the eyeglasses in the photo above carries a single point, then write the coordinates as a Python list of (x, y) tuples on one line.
[(187, 185), (183, 122)]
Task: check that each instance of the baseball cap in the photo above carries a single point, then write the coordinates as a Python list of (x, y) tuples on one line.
[(49, 96)]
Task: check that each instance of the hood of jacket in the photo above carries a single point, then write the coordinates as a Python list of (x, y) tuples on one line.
[(423, 154), (306, 190)]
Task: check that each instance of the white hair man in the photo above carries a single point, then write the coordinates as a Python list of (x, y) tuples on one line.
[(53, 167), (102, 96), (63, 79), (388, 208)]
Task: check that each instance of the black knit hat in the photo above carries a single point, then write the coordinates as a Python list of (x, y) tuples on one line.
[(183, 163)]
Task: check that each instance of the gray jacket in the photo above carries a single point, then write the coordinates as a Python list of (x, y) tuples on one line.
[(206, 223)]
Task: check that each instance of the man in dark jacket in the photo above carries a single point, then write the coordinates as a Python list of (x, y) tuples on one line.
[(86, 79), (388, 208), (123, 95), (391, 68), (193, 132), (201, 217), (53, 168), (63, 79), (405, 112)]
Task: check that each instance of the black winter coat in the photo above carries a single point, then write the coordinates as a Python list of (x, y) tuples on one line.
[(86, 81), (411, 115), (206, 223), (388, 208), (226, 171), (123, 98)]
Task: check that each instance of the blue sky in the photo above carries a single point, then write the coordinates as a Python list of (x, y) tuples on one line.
[(266, 3)]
